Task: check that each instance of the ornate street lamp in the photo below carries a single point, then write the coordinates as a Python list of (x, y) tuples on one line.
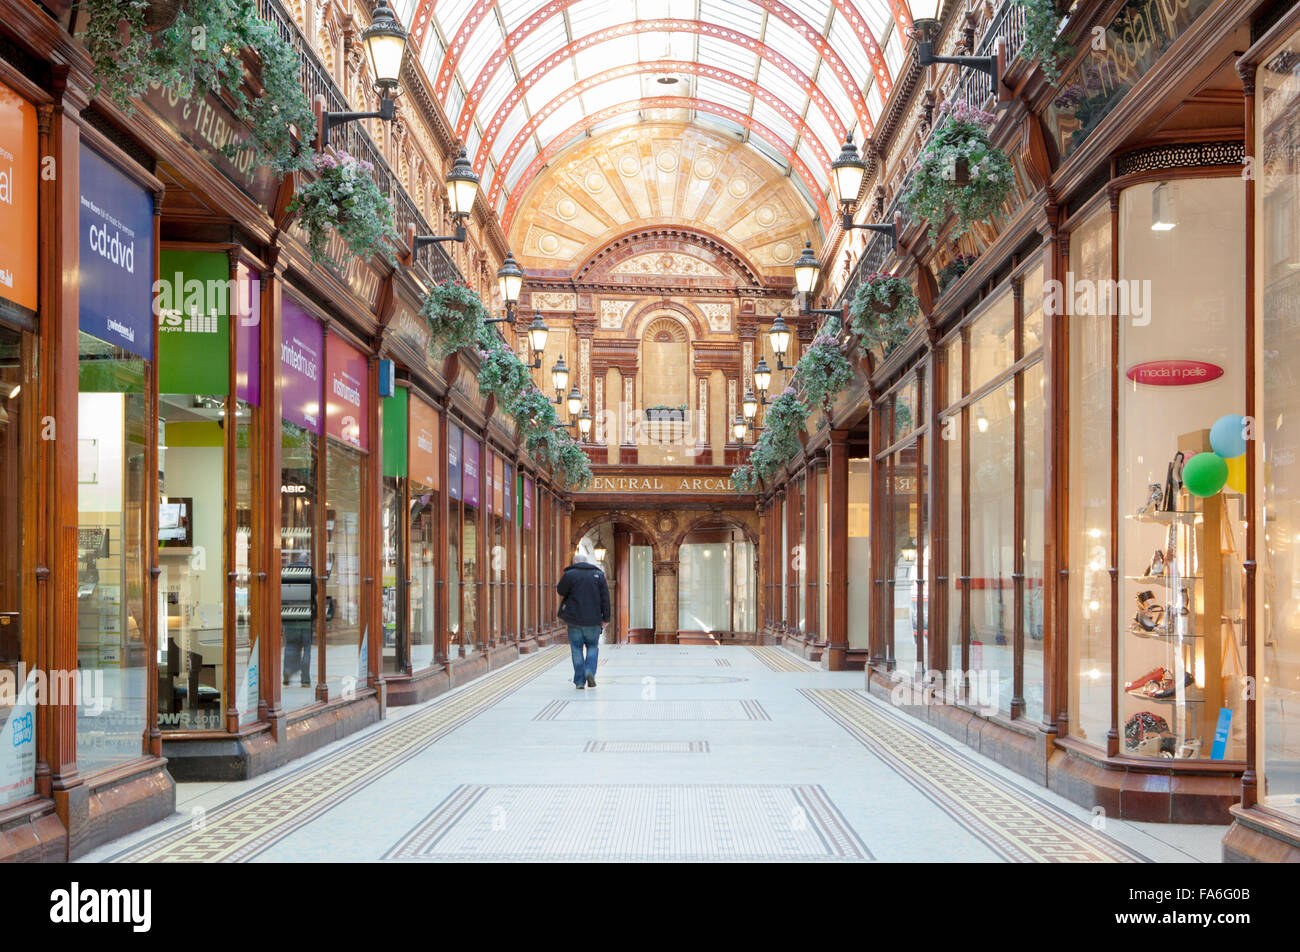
[(385, 44)]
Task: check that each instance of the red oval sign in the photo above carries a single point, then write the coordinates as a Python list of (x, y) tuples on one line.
[(1174, 373)]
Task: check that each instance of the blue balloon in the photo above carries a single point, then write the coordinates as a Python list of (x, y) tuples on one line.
[(1226, 436)]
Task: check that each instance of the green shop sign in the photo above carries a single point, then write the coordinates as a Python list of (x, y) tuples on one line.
[(192, 305), (1137, 37)]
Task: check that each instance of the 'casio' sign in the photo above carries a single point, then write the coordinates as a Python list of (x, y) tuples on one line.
[(121, 253), (293, 488)]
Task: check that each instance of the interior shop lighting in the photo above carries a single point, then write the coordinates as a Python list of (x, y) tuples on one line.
[(1164, 215)]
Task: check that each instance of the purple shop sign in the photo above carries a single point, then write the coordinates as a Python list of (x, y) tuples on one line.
[(115, 273), (302, 344), (471, 471), (528, 503), (453, 460), (248, 341), (507, 500)]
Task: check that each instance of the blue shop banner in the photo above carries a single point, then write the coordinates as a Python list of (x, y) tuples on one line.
[(116, 268)]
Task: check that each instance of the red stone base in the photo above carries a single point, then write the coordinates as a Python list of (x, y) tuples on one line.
[(1259, 837), (31, 833)]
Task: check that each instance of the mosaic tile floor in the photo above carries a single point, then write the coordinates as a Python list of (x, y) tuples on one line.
[(674, 756)]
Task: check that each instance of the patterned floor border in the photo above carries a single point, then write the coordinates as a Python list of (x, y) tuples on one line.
[(1008, 819), (251, 823), (778, 659), (745, 709), (463, 826)]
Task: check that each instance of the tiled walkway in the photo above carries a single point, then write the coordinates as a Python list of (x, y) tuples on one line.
[(679, 753)]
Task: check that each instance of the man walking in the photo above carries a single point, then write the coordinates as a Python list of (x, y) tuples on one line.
[(586, 609)]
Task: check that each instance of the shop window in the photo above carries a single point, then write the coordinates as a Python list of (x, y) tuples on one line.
[(859, 568), (191, 583), (823, 551), (1090, 498), (1181, 645), (111, 497), (641, 591), (455, 516), (17, 640), (953, 448), (801, 554), (392, 539), (472, 637), (908, 559), (302, 359), (344, 668), (1034, 502), (422, 553), (1277, 465), (993, 340), (992, 515)]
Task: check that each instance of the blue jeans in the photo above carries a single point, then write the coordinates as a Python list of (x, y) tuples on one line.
[(580, 635)]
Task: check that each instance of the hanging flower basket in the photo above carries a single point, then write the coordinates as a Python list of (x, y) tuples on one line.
[(160, 14), (1042, 38), (879, 327), (960, 173), (455, 317), (344, 198)]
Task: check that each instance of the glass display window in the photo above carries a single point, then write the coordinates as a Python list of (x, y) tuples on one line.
[(1277, 626), (1182, 356), (302, 360), (423, 523), (113, 431), (859, 567), (17, 638)]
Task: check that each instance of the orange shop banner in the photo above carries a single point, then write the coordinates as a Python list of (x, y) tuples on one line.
[(423, 447), (18, 163)]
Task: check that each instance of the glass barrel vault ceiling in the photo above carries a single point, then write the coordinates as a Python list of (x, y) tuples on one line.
[(521, 79)]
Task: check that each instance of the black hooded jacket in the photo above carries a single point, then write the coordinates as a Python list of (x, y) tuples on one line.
[(586, 595)]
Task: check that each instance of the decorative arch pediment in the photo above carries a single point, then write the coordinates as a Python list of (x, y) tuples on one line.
[(651, 257), (651, 312)]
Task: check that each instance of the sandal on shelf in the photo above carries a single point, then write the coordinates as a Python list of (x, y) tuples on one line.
[(1153, 675), (1154, 495), (1150, 612), (1156, 568)]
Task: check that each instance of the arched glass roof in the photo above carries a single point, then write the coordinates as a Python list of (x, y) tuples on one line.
[(520, 80)]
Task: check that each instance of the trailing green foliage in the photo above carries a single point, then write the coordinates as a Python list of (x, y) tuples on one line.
[(344, 198), (876, 328), (823, 370), (455, 316), (961, 137), (203, 51), (1042, 41)]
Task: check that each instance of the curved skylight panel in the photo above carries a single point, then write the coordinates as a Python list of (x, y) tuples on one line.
[(405, 11), (431, 53), (894, 52), (515, 12), (838, 98), (569, 114), (540, 43), (814, 11), (471, 141), (450, 14), (482, 44), (730, 56), (495, 94), (655, 45), (774, 121), (724, 125), (810, 159), (616, 52), (744, 17), (797, 48), (517, 119), (525, 159), (872, 95), (822, 130), (455, 98), (878, 15), (611, 94), (717, 91), (851, 50), (782, 86), (588, 16), (549, 86)]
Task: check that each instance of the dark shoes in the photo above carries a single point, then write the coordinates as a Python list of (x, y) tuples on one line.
[(591, 682)]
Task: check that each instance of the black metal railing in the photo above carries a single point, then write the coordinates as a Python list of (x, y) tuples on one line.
[(975, 87), (352, 138)]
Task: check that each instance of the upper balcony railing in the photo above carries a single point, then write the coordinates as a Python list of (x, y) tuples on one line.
[(352, 138), (973, 87)]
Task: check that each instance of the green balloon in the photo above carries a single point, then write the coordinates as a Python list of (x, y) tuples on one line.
[(1204, 474)]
